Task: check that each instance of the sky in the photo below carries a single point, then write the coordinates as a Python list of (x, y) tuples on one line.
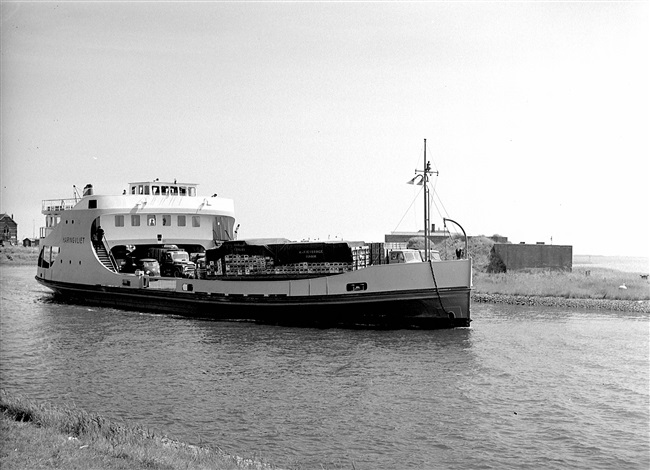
[(312, 116)]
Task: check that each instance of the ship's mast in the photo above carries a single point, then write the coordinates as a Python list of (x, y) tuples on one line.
[(424, 180), (427, 167)]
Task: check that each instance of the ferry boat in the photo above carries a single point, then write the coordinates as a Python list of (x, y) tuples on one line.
[(96, 249)]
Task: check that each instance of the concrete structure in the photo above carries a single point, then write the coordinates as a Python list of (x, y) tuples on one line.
[(8, 230), (509, 257)]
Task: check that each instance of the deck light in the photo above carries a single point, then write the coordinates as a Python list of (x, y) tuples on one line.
[(416, 177)]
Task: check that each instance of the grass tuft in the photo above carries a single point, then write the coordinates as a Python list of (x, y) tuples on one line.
[(46, 436)]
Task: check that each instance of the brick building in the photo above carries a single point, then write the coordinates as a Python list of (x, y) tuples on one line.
[(8, 229)]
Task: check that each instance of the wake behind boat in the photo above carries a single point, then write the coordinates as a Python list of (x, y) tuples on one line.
[(162, 248)]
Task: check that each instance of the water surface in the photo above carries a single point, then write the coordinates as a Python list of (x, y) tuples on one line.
[(525, 387)]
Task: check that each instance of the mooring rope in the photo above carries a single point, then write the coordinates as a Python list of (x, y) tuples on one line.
[(435, 283)]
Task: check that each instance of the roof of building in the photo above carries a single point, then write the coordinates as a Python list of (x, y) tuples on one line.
[(7, 216)]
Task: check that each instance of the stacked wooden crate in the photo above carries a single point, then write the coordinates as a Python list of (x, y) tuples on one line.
[(360, 257), (243, 265)]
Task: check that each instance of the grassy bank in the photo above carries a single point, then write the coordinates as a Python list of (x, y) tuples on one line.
[(601, 289), (19, 255), (36, 436), (599, 284)]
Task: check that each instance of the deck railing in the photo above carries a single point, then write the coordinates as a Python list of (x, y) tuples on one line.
[(53, 206)]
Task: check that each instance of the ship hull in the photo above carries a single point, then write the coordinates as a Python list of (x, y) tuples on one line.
[(412, 309)]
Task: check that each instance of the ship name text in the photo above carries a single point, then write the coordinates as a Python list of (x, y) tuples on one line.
[(79, 240)]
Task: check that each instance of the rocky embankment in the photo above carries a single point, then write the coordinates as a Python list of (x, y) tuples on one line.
[(642, 306)]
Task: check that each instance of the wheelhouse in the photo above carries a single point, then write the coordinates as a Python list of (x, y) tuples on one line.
[(156, 188)]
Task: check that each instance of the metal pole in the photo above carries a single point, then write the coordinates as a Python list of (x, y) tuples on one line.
[(426, 202)]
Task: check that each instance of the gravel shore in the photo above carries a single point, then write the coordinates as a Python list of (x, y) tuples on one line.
[(642, 306)]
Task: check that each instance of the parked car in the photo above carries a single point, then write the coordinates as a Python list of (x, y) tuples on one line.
[(149, 266)]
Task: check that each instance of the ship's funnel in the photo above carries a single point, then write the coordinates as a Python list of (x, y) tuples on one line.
[(88, 190)]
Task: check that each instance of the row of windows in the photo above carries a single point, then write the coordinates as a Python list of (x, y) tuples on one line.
[(152, 220), (164, 190)]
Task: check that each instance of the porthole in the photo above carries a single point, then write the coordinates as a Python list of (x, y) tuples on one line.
[(356, 286)]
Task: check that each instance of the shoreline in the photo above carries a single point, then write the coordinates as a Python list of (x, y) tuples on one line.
[(639, 306), (45, 435)]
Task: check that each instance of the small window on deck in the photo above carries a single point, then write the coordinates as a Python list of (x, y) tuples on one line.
[(181, 221), (92, 204), (151, 220), (119, 221), (166, 220), (196, 221), (135, 220)]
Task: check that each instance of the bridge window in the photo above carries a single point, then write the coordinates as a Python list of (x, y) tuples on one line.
[(182, 190), (192, 191), (155, 190)]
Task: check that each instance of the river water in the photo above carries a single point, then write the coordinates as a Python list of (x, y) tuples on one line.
[(524, 387)]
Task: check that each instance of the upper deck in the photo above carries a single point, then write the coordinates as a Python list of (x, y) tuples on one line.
[(154, 188), (56, 206), (157, 196)]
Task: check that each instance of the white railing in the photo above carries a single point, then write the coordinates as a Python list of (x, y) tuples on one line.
[(52, 206)]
